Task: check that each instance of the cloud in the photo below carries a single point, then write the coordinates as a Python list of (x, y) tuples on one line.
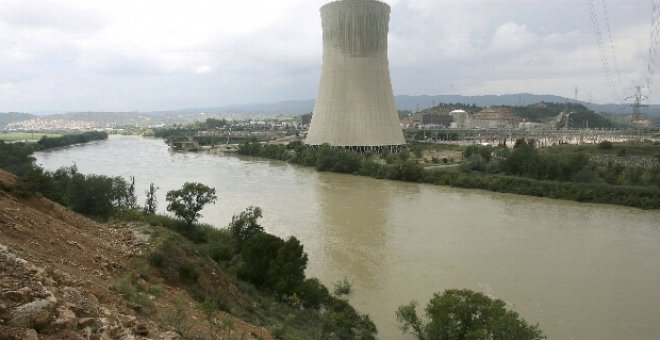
[(512, 37), (148, 54), (202, 69), (52, 14)]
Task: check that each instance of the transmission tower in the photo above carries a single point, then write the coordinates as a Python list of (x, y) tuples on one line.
[(637, 105)]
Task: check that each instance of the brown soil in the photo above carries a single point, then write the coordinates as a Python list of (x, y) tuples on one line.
[(59, 273)]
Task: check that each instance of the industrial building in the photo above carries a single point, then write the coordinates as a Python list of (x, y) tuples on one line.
[(355, 106)]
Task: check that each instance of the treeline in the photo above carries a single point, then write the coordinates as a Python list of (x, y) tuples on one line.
[(522, 170), (569, 166), (184, 131), (395, 166), (85, 137), (16, 157)]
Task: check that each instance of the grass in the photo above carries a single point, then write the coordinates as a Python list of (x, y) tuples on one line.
[(20, 136)]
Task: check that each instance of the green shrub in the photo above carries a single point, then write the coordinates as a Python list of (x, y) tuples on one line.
[(313, 293), (465, 314), (188, 273), (342, 287)]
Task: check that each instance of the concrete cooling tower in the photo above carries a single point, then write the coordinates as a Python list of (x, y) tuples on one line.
[(355, 105)]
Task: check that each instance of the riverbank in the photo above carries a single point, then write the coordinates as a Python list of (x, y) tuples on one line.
[(523, 157)]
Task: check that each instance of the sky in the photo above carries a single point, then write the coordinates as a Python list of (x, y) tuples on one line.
[(147, 55)]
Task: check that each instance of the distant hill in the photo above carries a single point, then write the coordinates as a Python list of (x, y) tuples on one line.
[(418, 103), (290, 108), (541, 112), (11, 117), (283, 107), (403, 102)]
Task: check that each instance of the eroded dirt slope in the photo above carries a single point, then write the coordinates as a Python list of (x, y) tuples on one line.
[(59, 274)]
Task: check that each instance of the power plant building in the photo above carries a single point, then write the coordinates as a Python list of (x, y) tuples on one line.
[(355, 105)]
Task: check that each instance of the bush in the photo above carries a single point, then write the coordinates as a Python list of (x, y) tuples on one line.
[(273, 263), (605, 145), (465, 314), (313, 293), (343, 287)]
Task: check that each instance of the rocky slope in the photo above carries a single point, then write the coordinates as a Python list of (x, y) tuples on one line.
[(62, 276)]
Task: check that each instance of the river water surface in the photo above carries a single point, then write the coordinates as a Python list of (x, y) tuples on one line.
[(582, 271)]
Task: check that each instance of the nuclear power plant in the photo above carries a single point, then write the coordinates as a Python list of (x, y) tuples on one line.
[(355, 105)]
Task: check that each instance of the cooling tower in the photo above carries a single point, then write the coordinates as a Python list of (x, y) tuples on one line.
[(355, 106)]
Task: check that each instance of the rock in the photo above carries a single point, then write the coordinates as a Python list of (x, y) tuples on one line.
[(66, 319), (30, 334), (128, 320), (82, 305), (35, 314), (87, 322), (141, 329), (13, 296), (170, 335), (16, 333)]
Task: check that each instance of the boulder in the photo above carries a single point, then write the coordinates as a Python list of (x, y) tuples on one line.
[(36, 314), (16, 333), (66, 319)]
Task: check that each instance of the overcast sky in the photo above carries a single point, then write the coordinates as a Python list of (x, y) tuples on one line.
[(142, 55)]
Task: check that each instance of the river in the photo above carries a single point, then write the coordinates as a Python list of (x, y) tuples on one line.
[(583, 271)]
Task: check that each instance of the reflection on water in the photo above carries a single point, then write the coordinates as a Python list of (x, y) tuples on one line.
[(355, 216), (582, 271)]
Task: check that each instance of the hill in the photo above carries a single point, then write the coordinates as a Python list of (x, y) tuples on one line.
[(542, 112), (68, 277), (287, 109), (12, 117)]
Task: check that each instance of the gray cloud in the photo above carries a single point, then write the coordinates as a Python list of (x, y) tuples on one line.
[(148, 55)]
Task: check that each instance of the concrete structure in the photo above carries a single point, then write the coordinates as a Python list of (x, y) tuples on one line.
[(434, 119), (496, 118), (461, 119), (355, 105)]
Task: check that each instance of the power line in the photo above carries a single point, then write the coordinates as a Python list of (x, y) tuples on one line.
[(599, 42), (612, 48)]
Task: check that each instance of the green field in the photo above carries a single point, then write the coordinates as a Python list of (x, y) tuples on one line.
[(19, 136)]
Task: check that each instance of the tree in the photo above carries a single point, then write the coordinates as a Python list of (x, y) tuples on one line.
[(258, 252), (131, 200), (245, 225), (187, 202), (273, 263), (150, 203), (287, 270), (523, 159), (465, 314)]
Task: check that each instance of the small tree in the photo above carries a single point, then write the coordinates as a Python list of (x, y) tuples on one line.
[(465, 314), (150, 203), (287, 269), (245, 225), (187, 202)]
